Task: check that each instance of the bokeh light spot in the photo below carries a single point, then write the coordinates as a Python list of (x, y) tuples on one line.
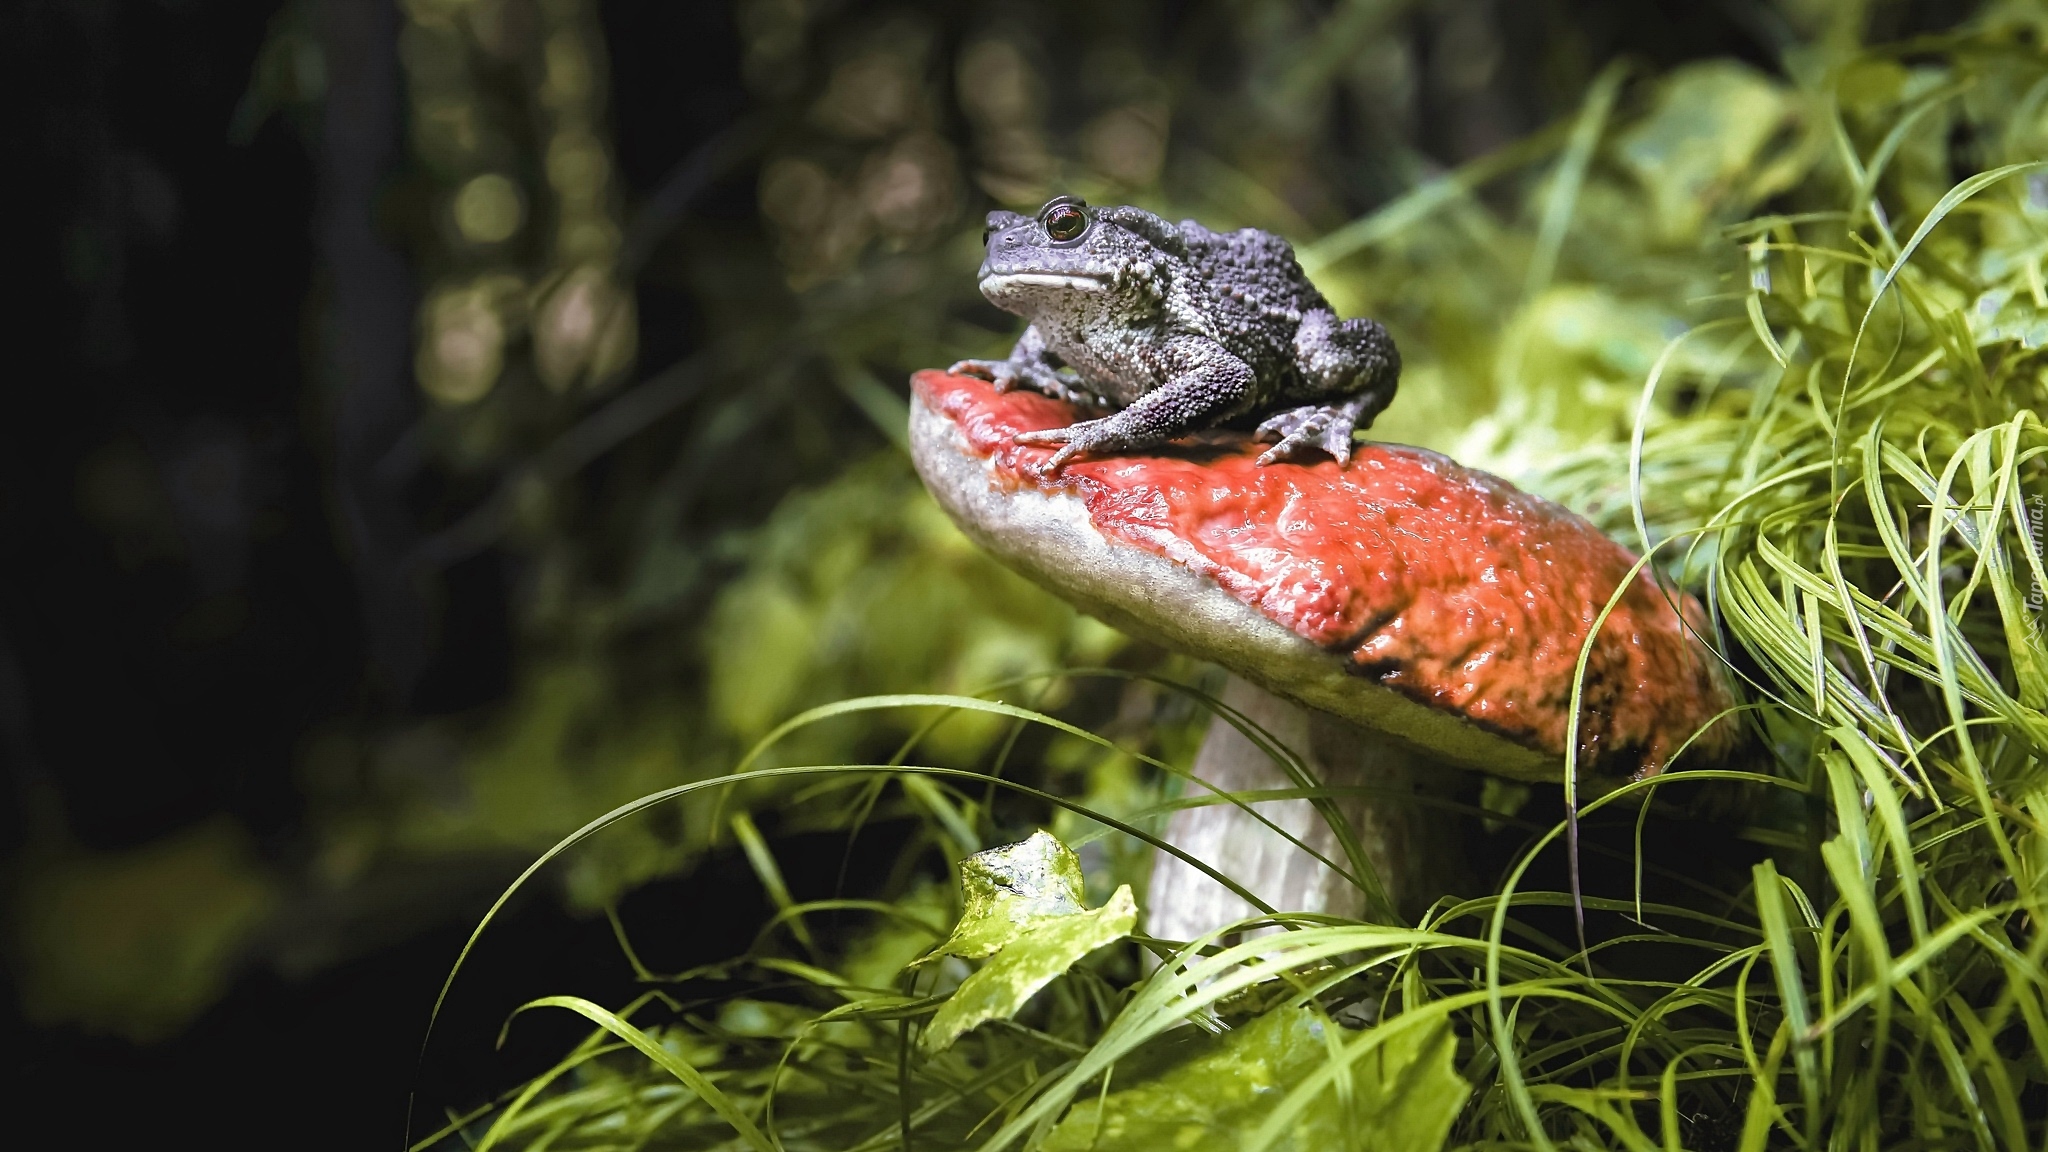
[(489, 209)]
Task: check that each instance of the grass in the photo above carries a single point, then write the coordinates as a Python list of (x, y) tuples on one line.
[(1842, 451)]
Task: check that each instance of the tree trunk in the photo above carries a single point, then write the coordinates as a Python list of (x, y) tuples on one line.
[(369, 331)]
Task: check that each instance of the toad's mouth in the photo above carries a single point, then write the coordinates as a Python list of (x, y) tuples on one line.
[(1006, 281)]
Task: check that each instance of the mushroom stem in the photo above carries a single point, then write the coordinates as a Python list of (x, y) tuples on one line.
[(1415, 847)]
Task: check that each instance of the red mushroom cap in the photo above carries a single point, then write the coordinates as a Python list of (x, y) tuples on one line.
[(1403, 592)]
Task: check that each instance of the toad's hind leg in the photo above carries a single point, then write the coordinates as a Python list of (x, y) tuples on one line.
[(1350, 367), (1338, 359)]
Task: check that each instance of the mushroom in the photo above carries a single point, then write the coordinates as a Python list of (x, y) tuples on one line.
[(1394, 620)]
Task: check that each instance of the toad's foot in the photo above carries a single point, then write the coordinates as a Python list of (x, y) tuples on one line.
[(1074, 439), (1327, 427)]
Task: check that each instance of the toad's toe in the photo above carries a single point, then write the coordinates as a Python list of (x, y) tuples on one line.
[(1336, 441), (998, 372), (1302, 432), (1074, 439), (1048, 435), (1060, 458), (1292, 449), (1282, 425)]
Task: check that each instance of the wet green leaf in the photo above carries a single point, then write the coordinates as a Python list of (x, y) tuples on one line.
[(1027, 964), (1023, 909), (1007, 891), (1214, 1092)]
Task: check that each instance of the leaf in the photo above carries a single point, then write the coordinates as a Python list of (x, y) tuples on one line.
[(1007, 891), (1711, 121), (1027, 964), (2001, 314), (1022, 907), (1215, 1092)]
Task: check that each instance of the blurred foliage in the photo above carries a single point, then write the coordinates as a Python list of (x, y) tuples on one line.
[(858, 585), (136, 943), (508, 124), (864, 586)]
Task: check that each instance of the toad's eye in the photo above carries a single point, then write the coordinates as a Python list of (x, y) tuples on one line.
[(1064, 222)]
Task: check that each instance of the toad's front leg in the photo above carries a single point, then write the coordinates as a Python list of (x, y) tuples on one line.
[(1205, 384)]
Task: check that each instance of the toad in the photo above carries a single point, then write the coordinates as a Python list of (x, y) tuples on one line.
[(1178, 329)]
